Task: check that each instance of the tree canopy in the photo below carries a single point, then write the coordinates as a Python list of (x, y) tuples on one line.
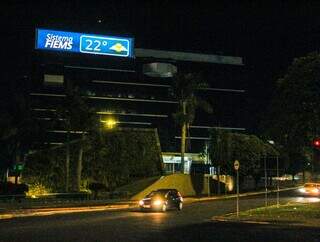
[(295, 108), (294, 116), (112, 158), (226, 147)]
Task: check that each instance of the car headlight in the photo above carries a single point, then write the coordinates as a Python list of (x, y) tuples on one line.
[(302, 190), (157, 202), (141, 202)]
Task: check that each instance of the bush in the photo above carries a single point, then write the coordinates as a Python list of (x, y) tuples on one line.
[(96, 187), (37, 189), (10, 188), (21, 188)]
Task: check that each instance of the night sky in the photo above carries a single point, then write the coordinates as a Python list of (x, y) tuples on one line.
[(268, 36)]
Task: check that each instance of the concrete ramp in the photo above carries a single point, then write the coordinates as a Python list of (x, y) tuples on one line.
[(187, 185), (181, 182)]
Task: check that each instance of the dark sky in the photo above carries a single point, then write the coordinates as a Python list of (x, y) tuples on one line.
[(267, 35)]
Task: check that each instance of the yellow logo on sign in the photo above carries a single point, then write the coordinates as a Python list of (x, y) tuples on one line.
[(118, 47)]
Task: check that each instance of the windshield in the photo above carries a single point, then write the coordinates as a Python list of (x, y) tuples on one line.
[(156, 193), (310, 185)]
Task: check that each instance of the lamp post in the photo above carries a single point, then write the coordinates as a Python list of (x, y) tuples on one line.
[(278, 188)]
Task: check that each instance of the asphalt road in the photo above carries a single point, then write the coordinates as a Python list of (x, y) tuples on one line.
[(193, 223)]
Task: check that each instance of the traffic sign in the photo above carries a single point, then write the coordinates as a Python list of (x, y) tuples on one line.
[(236, 165)]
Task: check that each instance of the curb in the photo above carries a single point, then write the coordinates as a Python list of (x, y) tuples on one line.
[(222, 219), (61, 210), (238, 221), (193, 200)]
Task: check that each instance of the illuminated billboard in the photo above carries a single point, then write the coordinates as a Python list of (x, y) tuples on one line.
[(83, 43)]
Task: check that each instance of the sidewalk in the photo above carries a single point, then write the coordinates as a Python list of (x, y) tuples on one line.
[(9, 210)]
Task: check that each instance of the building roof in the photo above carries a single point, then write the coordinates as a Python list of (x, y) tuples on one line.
[(187, 56)]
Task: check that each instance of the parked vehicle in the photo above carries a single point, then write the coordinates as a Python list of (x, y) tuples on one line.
[(162, 200)]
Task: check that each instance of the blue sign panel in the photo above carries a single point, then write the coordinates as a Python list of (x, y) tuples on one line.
[(83, 43)]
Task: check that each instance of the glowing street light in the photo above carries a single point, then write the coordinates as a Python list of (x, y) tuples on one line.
[(110, 123)]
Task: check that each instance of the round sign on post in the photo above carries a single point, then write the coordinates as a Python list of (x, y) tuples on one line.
[(236, 165)]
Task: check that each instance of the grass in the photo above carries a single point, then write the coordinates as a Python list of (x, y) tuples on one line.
[(298, 213)]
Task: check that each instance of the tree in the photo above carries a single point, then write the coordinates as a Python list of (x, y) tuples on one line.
[(75, 116), (18, 129), (184, 88), (226, 147), (111, 157), (220, 150), (45, 168), (117, 157), (294, 117)]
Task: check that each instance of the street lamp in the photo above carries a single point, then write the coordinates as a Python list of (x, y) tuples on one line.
[(109, 123), (278, 189), (271, 142)]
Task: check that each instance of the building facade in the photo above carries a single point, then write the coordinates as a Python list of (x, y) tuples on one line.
[(133, 90)]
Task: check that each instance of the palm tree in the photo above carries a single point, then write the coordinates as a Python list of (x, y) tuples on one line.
[(183, 90)]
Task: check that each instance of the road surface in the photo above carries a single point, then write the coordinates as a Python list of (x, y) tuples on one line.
[(193, 223)]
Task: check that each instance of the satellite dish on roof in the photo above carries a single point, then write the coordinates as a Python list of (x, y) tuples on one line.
[(159, 69)]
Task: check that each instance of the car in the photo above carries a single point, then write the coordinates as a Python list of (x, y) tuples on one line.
[(162, 200), (310, 189)]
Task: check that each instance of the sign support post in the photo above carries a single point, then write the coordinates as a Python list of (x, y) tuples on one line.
[(236, 167)]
